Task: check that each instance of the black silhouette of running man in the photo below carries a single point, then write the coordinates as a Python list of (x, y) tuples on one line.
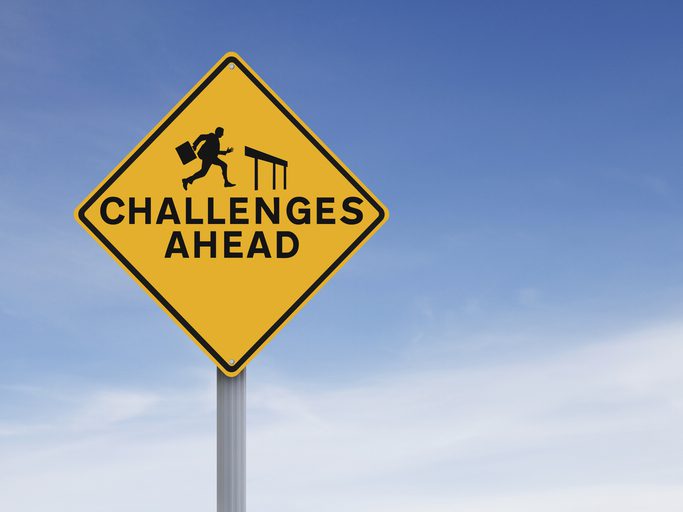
[(208, 154)]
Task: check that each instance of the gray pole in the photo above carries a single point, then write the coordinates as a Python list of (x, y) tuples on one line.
[(232, 437)]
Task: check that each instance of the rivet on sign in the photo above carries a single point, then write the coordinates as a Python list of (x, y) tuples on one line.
[(231, 65)]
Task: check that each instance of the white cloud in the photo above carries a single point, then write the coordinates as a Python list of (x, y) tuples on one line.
[(107, 408), (594, 428)]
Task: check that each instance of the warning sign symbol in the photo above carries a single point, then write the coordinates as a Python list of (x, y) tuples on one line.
[(231, 214)]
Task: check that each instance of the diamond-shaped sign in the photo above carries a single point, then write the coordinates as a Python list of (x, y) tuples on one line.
[(231, 213)]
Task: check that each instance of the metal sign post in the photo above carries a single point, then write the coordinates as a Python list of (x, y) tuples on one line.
[(232, 442)]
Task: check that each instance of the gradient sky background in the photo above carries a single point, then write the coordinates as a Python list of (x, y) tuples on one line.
[(509, 340)]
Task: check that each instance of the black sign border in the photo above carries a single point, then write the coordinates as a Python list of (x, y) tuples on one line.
[(230, 59)]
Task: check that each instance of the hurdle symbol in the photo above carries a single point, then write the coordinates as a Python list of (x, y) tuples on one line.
[(260, 155)]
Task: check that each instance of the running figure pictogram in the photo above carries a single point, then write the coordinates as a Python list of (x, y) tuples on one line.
[(208, 154)]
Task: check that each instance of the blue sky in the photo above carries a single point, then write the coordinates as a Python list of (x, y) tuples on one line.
[(507, 341)]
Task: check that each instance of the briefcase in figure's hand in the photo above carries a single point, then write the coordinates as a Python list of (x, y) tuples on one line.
[(186, 153)]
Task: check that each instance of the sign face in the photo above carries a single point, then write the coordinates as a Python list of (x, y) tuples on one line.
[(231, 214)]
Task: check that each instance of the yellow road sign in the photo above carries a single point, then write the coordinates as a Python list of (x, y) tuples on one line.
[(231, 213)]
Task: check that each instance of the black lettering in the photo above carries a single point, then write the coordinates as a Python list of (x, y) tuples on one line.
[(171, 249), (228, 244), (258, 245), (210, 216), (262, 206), (322, 210), (188, 213), (305, 218), (103, 210), (199, 243), (235, 210), (356, 212), (172, 214), (133, 210), (281, 253)]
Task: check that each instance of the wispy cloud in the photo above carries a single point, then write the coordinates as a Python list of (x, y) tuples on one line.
[(594, 428)]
